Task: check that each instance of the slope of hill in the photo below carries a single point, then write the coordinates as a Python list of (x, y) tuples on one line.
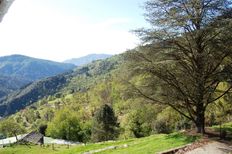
[(9, 84), (77, 80), (30, 93), (18, 70), (152, 144), (87, 59), (31, 68)]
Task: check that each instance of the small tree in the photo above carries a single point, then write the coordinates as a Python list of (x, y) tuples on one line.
[(105, 126), (65, 125), (10, 128), (140, 122)]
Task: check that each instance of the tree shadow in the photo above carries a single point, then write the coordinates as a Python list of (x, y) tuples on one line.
[(183, 136)]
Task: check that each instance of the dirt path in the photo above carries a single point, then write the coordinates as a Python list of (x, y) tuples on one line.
[(212, 148)]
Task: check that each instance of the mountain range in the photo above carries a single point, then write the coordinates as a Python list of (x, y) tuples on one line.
[(73, 81), (87, 59), (31, 69), (17, 71), (25, 80)]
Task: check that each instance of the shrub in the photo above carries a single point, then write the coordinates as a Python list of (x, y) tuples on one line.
[(65, 125)]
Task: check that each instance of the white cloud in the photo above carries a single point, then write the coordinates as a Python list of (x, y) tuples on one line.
[(44, 33)]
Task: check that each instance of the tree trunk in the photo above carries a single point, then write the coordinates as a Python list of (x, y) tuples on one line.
[(16, 137), (200, 120)]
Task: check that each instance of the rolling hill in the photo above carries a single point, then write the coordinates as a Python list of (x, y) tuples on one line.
[(9, 84), (17, 71), (87, 59), (76, 80), (31, 68)]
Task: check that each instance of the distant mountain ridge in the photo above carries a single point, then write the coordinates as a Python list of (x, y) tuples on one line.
[(17, 71), (9, 84), (31, 68), (87, 59), (76, 80)]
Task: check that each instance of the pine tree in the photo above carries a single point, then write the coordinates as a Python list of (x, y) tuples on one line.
[(105, 126)]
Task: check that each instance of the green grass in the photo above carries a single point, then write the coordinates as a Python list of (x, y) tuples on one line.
[(153, 144), (32, 149), (226, 126), (92, 146), (146, 145)]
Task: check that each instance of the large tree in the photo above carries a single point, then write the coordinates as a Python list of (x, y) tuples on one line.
[(186, 55)]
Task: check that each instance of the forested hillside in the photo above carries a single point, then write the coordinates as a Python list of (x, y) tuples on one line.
[(31, 68), (9, 84), (79, 94), (179, 78), (16, 71), (86, 89), (73, 81)]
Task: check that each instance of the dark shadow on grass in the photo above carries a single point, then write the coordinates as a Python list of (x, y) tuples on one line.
[(181, 136), (214, 133)]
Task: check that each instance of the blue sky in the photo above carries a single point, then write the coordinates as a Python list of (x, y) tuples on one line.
[(63, 29)]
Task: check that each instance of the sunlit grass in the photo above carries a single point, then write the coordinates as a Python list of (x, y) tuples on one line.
[(146, 145), (226, 126)]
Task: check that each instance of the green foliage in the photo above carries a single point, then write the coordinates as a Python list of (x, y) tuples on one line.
[(139, 121), (30, 94), (17, 71), (86, 131), (167, 121), (105, 88), (174, 68), (161, 126), (10, 128), (10, 83), (78, 80), (89, 87), (48, 114), (65, 125), (104, 125), (138, 128), (185, 56), (220, 111), (226, 127)]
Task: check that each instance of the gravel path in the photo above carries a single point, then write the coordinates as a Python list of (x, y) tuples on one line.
[(212, 148)]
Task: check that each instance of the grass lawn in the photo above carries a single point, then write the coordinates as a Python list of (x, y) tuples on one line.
[(32, 149), (226, 126), (153, 144), (146, 145)]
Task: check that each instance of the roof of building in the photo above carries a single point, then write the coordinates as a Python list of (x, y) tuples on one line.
[(33, 137)]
